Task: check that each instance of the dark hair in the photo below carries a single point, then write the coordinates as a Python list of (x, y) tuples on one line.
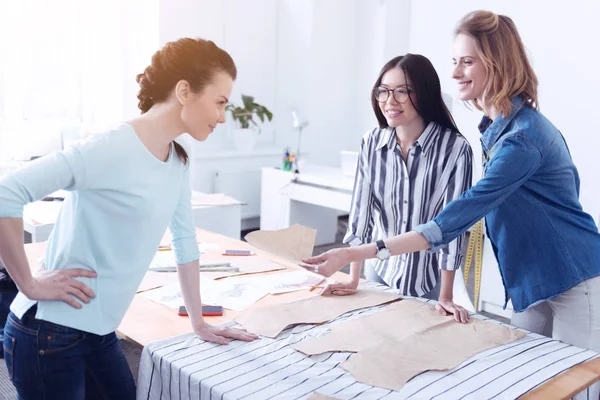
[(193, 60), (426, 85)]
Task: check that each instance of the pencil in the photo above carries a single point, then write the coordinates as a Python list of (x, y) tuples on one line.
[(317, 285)]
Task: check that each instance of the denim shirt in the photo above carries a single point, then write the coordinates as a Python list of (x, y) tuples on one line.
[(544, 242)]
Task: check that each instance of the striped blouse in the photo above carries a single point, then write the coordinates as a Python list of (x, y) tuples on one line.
[(391, 196)]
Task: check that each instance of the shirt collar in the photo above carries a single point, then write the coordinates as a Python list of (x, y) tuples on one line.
[(492, 130), (388, 138)]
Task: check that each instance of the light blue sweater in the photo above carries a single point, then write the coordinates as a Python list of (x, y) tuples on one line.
[(121, 201)]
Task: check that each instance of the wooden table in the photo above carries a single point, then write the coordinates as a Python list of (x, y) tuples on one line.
[(147, 321)]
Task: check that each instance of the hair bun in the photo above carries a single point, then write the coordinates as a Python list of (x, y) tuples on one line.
[(146, 89)]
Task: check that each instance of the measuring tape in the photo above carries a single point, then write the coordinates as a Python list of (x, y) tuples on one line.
[(475, 247)]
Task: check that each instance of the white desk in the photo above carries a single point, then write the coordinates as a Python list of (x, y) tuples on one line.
[(223, 219), (39, 218), (314, 198)]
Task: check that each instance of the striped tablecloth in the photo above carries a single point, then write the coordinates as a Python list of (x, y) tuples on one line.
[(186, 368)]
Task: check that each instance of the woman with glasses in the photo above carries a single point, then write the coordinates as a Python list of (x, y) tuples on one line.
[(410, 166), (547, 247)]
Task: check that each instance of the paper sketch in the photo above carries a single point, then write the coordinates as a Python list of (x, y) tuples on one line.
[(248, 265), (285, 282), (233, 296)]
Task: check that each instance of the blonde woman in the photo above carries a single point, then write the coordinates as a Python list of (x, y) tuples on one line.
[(548, 248)]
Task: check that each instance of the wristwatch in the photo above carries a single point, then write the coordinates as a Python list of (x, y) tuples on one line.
[(383, 253)]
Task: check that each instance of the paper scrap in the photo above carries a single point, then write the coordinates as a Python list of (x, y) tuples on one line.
[(293, 243), (441, 347), (249, 265), (165, 261), (270, 320), (285, 282), (153, 280), (206, 246), (233, 296)]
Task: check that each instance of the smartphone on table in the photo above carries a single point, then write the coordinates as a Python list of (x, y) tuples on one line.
[(207, 311)]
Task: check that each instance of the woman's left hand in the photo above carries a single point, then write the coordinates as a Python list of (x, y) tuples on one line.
[(446, 306), (327, 263), (222, 335)]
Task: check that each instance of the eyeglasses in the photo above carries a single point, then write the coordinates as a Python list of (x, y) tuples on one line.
[(400, 94)]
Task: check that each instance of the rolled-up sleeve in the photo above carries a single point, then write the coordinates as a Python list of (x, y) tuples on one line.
[(514, 163), (182, 227), (432, 233), (360, 222)]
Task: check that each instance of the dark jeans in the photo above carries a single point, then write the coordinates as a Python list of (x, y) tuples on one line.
[(49, 361), (8, 292)]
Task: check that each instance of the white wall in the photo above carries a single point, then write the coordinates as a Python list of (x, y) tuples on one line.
[(63, 73), (294, 33), (562, 43), (385, 35), (351, 40), (317, 57)]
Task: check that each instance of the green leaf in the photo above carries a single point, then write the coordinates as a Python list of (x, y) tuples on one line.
[(269, 114), (248, 102), (244, 116)]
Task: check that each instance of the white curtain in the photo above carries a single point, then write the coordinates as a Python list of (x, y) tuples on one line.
[(68, 67)]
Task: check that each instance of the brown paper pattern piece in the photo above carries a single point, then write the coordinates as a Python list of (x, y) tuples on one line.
[(387, 325), (293, 243), (441, 347), (270, 320)]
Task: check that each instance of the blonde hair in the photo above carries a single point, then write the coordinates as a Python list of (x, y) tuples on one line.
[(501, 50)]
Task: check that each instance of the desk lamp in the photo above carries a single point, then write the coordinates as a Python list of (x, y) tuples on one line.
[(298, 124)]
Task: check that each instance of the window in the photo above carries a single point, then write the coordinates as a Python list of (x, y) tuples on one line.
[(69, 67)]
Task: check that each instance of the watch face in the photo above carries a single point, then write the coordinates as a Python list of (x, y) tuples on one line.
[(384, 254)]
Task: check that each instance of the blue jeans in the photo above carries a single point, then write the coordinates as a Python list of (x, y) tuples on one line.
[(8, 292), (49, 361)]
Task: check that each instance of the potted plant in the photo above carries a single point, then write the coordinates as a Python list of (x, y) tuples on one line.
[(244, 136)]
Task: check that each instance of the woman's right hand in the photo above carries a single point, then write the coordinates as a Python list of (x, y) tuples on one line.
[(328, 263), (223, 335), (61, 285), (341, 289)]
